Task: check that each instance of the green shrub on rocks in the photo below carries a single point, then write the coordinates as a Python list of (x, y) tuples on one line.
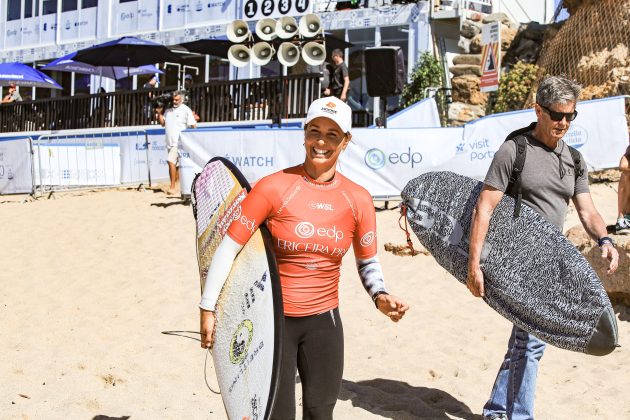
[(427, 73), (514, 88)]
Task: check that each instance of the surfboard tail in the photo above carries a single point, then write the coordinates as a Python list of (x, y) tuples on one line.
[(604, 339)]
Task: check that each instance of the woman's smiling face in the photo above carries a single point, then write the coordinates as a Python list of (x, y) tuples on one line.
[(324, 141)]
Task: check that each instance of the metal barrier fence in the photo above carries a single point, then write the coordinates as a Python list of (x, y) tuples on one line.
[(80, 160), (16, 165), (273, 98)]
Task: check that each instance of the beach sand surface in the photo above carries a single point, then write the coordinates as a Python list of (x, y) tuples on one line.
[(89, 281)]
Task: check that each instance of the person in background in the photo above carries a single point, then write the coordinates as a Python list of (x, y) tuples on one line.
[(175, 119), (12, 95), (314, 215), (153, 83), (340, 78), (188, 82), (548, 180), (623, 196), (324, 76)]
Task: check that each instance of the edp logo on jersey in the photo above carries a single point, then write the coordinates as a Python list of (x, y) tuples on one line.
[(306, 230)]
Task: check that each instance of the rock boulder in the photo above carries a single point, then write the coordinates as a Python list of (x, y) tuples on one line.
[(617, 285)]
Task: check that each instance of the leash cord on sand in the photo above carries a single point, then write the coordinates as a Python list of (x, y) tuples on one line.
[(205, 363), (205, 374)]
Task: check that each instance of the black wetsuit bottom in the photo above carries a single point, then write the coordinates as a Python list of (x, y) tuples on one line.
[(314, 346)]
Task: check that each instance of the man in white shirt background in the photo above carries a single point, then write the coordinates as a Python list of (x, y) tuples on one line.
[(174, 119)]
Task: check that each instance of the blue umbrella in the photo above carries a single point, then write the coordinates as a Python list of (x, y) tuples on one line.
[(127, 51), (67, 63), (23, 75)]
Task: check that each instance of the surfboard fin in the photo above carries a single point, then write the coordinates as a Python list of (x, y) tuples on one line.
[(604, 339)]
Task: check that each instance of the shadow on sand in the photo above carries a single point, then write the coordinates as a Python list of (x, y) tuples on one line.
[(400, 401), (185, 202), (103, 417)]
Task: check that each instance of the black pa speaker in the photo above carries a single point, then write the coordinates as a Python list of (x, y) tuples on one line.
[(385, 71)]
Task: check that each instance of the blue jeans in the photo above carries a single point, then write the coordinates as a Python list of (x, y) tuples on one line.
[(515, 387)]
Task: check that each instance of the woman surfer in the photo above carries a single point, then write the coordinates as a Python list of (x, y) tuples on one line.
[(313, 214)]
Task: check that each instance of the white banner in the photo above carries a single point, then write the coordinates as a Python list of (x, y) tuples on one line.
[(380, 160), (133, 17), (419, 115), (30, 31), (157, 154), (48, 29), (180, 13), (133, 156), (383, 161), (15, 165), (77, 162), (256, 153)]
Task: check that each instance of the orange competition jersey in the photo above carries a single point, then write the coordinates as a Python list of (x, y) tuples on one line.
[(312, 224)]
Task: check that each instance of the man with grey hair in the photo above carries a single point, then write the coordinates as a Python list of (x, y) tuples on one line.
[(550, 174), (175, 119)]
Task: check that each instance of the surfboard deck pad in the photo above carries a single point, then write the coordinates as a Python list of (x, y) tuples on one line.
[(533, 275), (249, 316)]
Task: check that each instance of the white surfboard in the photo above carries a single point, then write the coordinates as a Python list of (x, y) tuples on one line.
[(249, 315)]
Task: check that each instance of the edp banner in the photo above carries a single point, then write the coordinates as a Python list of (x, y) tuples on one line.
[(15, 165), (384, 160)]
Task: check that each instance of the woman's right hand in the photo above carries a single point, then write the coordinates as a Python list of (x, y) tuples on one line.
[(206, 328)]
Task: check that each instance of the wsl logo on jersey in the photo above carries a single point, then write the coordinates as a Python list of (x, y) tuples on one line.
[(321, 206), (577, 136)]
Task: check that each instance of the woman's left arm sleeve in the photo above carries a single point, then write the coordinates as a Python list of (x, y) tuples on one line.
[(371, 275), (365, 246)]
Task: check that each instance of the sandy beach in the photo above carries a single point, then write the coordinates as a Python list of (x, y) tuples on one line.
[(90, 280)]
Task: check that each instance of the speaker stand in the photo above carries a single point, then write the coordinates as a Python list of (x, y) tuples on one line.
[(381, 121)]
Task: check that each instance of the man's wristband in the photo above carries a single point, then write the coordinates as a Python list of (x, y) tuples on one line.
[(376, 295), (605, 240)]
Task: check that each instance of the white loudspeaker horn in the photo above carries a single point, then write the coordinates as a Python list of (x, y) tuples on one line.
[(314, 53), (262, 53), (288, 54), (237, 31), (266, 29), (238, 55), (310, 26), (286, 27)]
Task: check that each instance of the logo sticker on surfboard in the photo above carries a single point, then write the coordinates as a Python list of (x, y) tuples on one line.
[(241, 340)]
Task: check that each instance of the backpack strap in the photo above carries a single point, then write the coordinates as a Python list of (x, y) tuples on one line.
[(578, 170), (514, 185)]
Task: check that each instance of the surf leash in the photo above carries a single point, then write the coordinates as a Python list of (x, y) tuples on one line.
[(205, 363), (403, 215), (205, 373)]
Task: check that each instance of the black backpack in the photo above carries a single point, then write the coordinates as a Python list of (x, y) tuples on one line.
[(514, 185)]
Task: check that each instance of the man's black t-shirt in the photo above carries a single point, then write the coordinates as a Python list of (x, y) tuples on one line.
[(336, 81)]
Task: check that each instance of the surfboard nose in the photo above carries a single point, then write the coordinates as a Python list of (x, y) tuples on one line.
[(604, 339)]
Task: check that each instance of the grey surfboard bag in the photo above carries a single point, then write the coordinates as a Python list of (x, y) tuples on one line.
[(533, 275)]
